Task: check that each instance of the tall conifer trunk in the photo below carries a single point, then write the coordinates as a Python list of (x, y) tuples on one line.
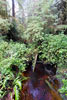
[(13, 8)]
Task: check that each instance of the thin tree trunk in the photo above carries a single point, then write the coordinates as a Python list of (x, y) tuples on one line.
[(13, 8)]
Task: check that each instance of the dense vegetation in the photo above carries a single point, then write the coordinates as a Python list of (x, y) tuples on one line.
[(43, 34)]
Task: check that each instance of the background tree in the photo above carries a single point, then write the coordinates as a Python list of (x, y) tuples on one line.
[(62, 14), (3, 8), (13, 8)]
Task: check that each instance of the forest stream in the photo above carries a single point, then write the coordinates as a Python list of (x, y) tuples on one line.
[(33, 49), (41, 84)]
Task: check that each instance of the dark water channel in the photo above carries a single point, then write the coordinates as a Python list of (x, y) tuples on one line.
[(42, 84)]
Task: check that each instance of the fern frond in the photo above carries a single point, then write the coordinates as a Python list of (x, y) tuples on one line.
[(16, 91)]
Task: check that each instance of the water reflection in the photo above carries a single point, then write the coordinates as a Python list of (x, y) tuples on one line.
[(40, 85)]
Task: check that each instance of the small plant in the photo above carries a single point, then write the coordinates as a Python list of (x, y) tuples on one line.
[(17, 88), (63, 89)]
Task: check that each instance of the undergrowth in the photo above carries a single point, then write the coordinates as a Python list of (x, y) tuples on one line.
[(14, 57)]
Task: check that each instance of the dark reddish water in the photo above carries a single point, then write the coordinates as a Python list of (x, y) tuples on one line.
[(40, 86)]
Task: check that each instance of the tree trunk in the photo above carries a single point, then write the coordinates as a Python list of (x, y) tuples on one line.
[(13, 8)]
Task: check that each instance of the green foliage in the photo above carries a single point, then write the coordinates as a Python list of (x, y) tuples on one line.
[(39, 34), (63, 89), (3, 7), (16, 31), (17, 88), (13, 58), (16, 93), (41, 21), (62, 76), (11, 55), (20, 29), (4, 25), (54, 49), (34, 30), (62, 26)]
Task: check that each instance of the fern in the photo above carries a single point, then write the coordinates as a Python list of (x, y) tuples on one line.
[(16, 91), (17, 82), (17, 88)]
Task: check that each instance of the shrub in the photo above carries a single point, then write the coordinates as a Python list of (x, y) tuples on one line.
[(12, 64), (63, 89), (54, 49), (13, 58), (4, 26)]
